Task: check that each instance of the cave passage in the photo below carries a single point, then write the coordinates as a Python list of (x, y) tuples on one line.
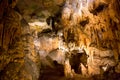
[(59, 39)]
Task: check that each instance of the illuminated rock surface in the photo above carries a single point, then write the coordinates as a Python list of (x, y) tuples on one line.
[(59, 39)]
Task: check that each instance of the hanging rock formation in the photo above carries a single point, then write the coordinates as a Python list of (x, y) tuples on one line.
[(96, 32), (59, 39)]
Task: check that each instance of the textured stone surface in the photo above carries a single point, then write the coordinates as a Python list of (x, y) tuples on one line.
[(18, 59), (12, 56), (86, 47), (96, 32), (38, 9)]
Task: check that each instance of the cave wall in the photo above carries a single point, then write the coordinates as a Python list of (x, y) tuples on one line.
[(11, 49), (18, 59), (96, 30)]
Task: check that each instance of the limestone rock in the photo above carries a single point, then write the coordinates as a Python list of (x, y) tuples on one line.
[(30, 50), (97, 36), (11, 45)]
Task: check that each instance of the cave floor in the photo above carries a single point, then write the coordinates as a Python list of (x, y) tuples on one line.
[(54, 73)]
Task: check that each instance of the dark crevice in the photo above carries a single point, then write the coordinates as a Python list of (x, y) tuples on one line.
[(83, 23), (100, 8), (17, 9), (1, 1), (10, 1), (102, 30), (76, 59)]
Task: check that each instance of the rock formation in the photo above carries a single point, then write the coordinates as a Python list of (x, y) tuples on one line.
[(95, 34), (18, 59), (59, 39)]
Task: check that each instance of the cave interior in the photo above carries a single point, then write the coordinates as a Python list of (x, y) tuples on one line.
[(59, 39)]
